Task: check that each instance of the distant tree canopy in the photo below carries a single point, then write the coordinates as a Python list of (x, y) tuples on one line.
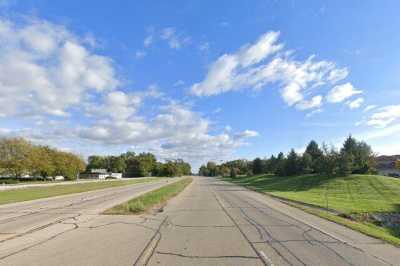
[(138, 165), (20, 157), (355, 157)]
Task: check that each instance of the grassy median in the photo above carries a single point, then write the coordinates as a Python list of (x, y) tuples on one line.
[(354, 197), (25, 194), (150, 199)]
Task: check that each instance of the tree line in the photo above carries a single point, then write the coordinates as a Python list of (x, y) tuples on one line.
[(354, 157), (138, 165), (19, 157)]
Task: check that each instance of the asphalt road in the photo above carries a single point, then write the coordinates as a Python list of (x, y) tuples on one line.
[(210, 223)]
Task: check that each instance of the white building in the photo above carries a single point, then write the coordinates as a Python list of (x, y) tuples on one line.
[(101, 174)]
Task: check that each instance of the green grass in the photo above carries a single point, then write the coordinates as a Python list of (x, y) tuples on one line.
[(352, 194), (363, 227), (355, 194), (24, 194), (150, 199)]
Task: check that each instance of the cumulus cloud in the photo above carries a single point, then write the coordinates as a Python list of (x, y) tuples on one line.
[(338, 74), (263, 63), (175, 131), (46, 70), (356, 103), (342, 92), (314, 102), (384, 116)]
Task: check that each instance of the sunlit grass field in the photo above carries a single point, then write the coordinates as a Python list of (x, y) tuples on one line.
[(351, 194)]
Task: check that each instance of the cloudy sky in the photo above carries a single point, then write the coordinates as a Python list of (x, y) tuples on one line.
[(200, 80)]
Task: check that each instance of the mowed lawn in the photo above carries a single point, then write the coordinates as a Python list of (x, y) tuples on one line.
[(24, 194), (150, 199), (352, 194)]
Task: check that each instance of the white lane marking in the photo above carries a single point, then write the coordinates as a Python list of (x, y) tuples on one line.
[(265, 257)]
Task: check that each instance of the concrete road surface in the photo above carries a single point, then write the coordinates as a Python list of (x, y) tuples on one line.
[(210, 223)]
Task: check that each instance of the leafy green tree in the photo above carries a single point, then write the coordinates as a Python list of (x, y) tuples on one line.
[(306, 164), (118, 164), (203, 171), (16, 156), (363, 159), (96, 162), (292, 163), (212, 168), (346, 163), (258, 167), (233, 172), (330, 161), (313, 150), (280, 165), (42, 161)]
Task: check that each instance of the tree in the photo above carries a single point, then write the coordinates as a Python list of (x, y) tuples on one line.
[(313, 150), (96, 162), (42, 161), (329, 161), (270, 165), (363, 160), (212, 168), (118, 164), (346, 162), (15, 156), (203, 171), (397, 164), (306, 164), (68, 165), (233, 172), (292, 163), (140, 165), (257, 166), (280, 165)]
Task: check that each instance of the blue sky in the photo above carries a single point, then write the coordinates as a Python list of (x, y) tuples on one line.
[(200, 80)]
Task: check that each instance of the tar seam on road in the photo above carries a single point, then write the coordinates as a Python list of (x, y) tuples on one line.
[(317, 229), (266, 263), (76, 226), (206, 257), (157, 233)]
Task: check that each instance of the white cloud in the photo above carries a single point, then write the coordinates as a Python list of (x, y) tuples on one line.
[(356, 103), (342, 92), (338, 74), (204, 46), (246, 134), (384, 116), (264, 63), (383, 140), (369, 107), (174, 132), (46, 70), (174, 40), (148, 41), (314, 102), (314, 112), (140, 54)]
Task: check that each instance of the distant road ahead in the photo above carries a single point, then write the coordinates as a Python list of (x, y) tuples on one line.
[(210, 223)]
